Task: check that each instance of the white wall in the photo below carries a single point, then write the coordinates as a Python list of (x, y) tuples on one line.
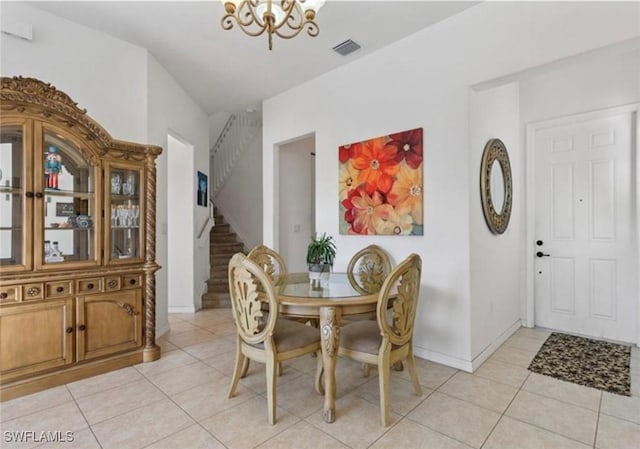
[(126, 91), (423, 81), (172, 111), (496, 261), (240, 198), (106, 76), (180, 290), (603, 79), (294, 187)]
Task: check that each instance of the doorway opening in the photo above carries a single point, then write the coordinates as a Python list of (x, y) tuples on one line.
[(296, 200)]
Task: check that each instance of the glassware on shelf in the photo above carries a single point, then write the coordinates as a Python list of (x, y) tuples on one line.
[(128, 187), (116, 184), (135, 215), (114, 216), (55, 250), (52, 252), (123, 215)]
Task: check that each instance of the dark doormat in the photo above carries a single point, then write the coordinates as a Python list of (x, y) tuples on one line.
[(593, 363)]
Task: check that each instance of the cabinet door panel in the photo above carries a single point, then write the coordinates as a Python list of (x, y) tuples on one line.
[(109, 323), (35, 337), (67, 212), (16, 189), (125, 192)]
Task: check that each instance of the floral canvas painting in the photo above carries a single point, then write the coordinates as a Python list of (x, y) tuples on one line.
[(381, 185)]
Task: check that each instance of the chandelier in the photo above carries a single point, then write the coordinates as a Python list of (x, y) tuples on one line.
[(284, 18)]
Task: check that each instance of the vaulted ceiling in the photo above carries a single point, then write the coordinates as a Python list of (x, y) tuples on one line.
[(230, 71)]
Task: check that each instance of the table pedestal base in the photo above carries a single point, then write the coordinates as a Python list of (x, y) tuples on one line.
[(330, 332)]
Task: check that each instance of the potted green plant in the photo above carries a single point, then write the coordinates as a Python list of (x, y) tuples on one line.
[(320, 255)]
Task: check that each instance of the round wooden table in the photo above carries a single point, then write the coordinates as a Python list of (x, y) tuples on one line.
[(328, 299)]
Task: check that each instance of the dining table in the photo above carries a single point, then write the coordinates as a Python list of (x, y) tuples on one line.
[(326, 299)]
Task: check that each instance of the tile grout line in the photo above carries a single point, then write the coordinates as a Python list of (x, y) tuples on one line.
[(402, 417), (183, 410), (595, 435), (504, 411), (190, 416), (84, 416)]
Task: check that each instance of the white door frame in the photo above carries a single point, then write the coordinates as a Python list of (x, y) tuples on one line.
[(530, 188)]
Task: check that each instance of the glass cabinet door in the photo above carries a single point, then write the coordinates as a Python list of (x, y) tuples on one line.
[(68, 212), (14, 213), (124, 188)]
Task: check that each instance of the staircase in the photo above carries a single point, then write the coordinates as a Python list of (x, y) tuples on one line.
[(223, 243)]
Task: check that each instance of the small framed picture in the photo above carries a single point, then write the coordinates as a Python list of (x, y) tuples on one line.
[(202, 189), (65, 210)]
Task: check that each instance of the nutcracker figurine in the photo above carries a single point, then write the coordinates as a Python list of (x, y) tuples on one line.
[(52, 167)]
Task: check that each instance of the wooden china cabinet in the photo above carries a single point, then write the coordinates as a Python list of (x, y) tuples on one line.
[(77, 243)]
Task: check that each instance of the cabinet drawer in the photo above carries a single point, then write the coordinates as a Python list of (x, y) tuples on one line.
[(58, 289), (131, 281), (32, 292), (9, 294), (90, 285), (112, 284)]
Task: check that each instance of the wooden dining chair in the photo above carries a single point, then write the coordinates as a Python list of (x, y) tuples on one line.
[(270, 261), (389, 339), (368, 268), (265, 338)]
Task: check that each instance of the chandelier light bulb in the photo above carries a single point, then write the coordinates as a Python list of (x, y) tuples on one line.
[(283, 18)]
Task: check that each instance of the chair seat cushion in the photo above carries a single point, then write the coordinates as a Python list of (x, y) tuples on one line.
[(289, 335), (361, 336)]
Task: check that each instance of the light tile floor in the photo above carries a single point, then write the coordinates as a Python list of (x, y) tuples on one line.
[(180, 401)]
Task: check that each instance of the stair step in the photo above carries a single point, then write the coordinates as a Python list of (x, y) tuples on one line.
[(221, 257), (223, 237), (220, 277), (220, 228), (218, 281), (224, 245), (222, 288), (216, 301)]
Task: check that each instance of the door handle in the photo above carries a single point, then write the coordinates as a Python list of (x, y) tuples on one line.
[(541, 254)]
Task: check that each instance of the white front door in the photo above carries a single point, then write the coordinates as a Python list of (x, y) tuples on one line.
[(585, 231)]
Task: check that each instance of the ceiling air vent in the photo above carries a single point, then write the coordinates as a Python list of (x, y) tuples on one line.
[(346, 47)]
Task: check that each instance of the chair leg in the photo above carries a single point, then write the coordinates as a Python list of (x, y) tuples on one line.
[(366, 369), (241, 360), (413, 372), (383, 381), (319, 368), (272, 382), (245, 368)]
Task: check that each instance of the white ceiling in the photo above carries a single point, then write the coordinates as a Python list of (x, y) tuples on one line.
[(230, 71)]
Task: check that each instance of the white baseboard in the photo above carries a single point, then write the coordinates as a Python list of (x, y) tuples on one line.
[(182, 309), (444, 359), (486, 353), (160, 331), (467, 365)]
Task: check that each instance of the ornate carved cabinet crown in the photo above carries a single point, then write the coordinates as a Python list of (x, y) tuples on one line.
[(77, 243)]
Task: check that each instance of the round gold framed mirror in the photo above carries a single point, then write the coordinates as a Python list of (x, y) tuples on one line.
[(496, 189)]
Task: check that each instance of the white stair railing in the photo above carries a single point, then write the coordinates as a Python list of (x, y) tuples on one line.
[(234, 138)]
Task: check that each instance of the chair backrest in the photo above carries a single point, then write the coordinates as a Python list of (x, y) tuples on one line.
[(368, 268), (403, 287), (248, 284), (270, 261)]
